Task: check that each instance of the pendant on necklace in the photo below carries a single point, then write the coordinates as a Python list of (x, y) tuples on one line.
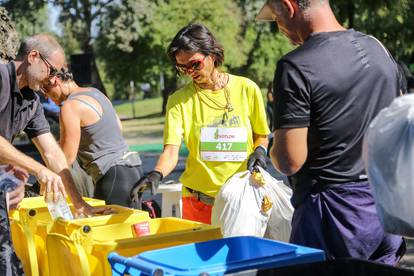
[(229, 107)]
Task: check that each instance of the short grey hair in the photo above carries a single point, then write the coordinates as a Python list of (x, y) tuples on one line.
[(44, 43), (303, 4)]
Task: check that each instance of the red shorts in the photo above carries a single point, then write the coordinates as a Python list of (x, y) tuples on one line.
[(195, 210)]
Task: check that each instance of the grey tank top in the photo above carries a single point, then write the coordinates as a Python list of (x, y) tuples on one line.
[(101, 144)]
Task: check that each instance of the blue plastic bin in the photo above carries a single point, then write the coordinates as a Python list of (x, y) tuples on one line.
[(215, 257)]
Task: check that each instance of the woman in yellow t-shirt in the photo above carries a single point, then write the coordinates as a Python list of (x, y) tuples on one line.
[(220, 117)]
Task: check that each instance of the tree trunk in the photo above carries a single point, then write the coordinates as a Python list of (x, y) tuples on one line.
[(88, 48), (169, 88), (351, 13)]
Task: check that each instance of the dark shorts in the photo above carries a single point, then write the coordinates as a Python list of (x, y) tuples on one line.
[(342, 221), (116, 185)]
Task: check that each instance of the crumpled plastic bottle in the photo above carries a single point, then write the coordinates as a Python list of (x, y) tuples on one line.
[(60, 208), (8, 182)]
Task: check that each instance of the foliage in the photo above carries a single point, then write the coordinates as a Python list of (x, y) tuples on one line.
[(388, 20), (140, 31), (29, 16), (263, 44), (130, 37)]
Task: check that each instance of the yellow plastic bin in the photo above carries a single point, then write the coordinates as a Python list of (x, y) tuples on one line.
[(29, 224), (83, 250)]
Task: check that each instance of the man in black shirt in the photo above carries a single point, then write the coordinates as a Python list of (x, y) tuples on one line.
[(327, 91), (39, 59)]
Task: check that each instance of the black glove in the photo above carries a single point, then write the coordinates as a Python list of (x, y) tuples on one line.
[(257, 158), (151, 180)]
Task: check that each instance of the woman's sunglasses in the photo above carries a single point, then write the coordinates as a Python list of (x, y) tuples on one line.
[(194, 65)]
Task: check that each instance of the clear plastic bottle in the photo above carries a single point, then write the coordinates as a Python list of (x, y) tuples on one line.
[(60, 209)]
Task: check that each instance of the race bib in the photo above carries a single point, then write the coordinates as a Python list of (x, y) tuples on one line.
[(223, 144)]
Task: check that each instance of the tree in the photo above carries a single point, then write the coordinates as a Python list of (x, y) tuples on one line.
[(135, 35), (263, 46), (80, 17), (388, 20), (129, 37), (29, 15)]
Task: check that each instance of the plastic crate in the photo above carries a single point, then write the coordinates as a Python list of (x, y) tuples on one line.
[(83, 250), (29, 225), (339, 267), (215, 257)]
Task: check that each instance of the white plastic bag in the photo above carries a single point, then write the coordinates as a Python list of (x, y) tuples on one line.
[(279, 225), (389, 160), (237, 207)]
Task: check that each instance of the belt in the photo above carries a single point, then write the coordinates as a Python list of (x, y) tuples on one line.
[(132, 159), (206, 199)]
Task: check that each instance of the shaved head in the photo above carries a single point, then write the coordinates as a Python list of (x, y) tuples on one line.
[(44, 43)]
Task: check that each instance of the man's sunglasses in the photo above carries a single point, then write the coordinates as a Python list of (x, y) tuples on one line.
[(194, 65), (52, 70)]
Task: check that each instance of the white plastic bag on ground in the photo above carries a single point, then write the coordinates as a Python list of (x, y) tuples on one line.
[(239, 207), (389, 159), (279, 225)]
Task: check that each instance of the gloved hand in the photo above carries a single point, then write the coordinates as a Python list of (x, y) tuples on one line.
[(257, 158), (151, 180)]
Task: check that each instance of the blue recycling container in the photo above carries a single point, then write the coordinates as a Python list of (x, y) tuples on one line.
[(215, 257)]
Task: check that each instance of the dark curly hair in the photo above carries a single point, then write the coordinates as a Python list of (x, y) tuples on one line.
[(196, 38), (65, 75)]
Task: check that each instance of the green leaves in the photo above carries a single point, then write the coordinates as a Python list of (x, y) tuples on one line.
[(389, 21), (130, 37)]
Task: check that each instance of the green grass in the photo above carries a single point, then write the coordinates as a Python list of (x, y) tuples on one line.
[(143, 108), (147, 107), (156, 148)]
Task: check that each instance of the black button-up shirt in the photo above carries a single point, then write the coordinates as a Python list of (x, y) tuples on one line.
[(20, 110)]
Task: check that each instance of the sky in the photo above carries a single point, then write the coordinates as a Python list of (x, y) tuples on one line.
[(53, 18)]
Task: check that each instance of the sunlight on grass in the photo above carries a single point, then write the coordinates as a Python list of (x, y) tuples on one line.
[(142, 108)]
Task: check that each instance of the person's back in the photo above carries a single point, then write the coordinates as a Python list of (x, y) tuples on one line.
[(348, 77), (99, 148), (327, 91)]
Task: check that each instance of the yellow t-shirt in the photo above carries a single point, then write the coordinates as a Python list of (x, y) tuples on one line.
[(187, 114)]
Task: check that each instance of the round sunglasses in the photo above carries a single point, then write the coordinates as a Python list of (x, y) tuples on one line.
[(194, 65)]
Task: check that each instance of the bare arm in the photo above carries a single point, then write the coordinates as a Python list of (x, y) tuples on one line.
[(290, 150), (70, 131), (260, 140), (56, 161), (10, 155), (50, 181), (168, 159)]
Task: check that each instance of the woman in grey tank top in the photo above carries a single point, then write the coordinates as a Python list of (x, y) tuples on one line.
[(91, 133)]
